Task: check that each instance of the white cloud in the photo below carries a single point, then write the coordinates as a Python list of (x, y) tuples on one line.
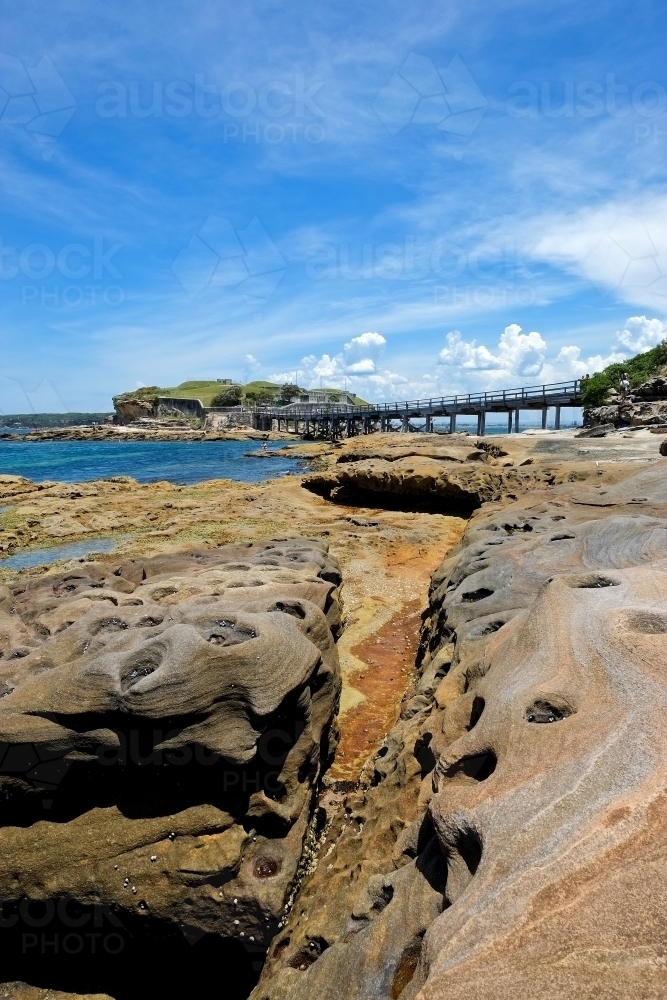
[(251, 363), (619, 248), (366, 340), (569, 364), (519, 357), (641, 334), (519, 354), (364, 367), (356, 367)]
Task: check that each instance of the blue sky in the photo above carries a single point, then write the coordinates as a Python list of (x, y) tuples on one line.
[(407, 199)]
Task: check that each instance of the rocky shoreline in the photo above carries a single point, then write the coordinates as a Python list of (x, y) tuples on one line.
[(446, 655), (152, 430)]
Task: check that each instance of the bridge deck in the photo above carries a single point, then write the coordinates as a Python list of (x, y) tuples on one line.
[(526, 398)]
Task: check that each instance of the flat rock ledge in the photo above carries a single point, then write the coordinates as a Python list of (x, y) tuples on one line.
[(507, 841), (454, 478), (21, 991), (163, 726)]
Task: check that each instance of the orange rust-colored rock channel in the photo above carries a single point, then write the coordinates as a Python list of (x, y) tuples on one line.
[(390, 655)]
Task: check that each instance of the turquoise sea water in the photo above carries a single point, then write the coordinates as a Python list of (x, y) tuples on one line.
[(182, 462)]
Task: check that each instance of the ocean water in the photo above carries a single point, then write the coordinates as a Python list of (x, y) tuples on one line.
[(70, 550), (181, 462)]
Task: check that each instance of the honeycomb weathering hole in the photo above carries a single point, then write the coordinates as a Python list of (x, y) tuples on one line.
[(266, 867), (647, 622), (475, 712), (469, 846), (229, 633), (148, 622), (293, 608), (593, 582), (479, 766), (308, 954), (488, 628), (543, 711), (476, 595), (112, 625)]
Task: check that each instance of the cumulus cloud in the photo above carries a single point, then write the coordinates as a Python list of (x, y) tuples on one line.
[(569, 364), (365, 342), (358, 366), (252, 364), (641, 334), (516, 359), (364, 367), (524, 356), (517, 353)]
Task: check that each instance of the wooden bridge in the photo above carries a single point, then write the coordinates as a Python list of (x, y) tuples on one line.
[(337, 420)]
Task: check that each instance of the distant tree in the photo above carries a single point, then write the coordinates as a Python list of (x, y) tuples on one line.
[(334, 397), (231, 395), (288, 392), (264, 396)]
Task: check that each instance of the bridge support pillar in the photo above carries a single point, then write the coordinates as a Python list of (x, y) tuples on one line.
[(544, 418), (452, 423), (429, 424), (557, 420), (509, 421), (481, 423), (516, 421), (405, 426)]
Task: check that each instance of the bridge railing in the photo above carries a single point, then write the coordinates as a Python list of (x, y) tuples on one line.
[(512, 398)]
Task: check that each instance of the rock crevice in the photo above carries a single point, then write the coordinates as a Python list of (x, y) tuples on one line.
[(506, 840)]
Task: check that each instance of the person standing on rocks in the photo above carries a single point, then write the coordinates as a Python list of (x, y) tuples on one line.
[(625, 386)]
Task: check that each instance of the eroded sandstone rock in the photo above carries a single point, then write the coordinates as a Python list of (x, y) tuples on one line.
[(21, 991), (506, 842), (164, 724)]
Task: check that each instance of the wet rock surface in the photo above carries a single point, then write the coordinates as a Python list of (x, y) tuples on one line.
[(506, 841), (163, 728)]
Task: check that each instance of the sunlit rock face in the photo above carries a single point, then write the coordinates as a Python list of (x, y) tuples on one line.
[(508, 840), (164, 724)]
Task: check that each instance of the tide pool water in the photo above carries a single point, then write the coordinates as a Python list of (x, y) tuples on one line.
[(70, 550), (181, 462)]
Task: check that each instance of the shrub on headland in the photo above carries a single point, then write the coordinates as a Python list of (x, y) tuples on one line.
[(639, 369), (232, 395)]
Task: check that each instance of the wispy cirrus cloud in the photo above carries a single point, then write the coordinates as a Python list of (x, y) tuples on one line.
[(549, 221)]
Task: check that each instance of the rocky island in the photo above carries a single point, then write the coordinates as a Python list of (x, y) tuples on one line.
[(390, 729)]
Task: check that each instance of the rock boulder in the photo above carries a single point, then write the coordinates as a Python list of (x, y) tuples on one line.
[(164, 724)]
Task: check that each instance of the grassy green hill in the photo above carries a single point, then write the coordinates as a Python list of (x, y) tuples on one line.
[(206, 389), (203, 389)]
